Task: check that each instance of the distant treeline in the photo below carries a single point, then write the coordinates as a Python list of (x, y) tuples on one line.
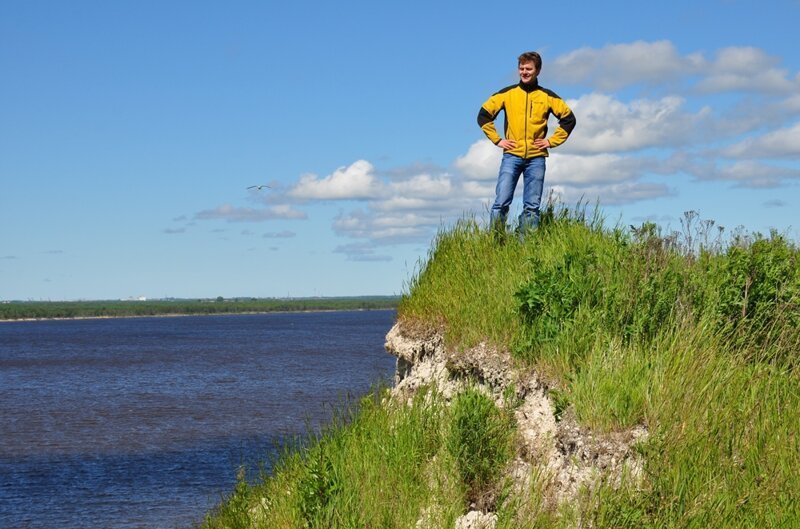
[(16, 310)]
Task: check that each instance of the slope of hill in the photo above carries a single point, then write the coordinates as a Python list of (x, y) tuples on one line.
[(585, 376)]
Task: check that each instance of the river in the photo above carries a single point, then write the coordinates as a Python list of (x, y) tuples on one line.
[(143, 422)]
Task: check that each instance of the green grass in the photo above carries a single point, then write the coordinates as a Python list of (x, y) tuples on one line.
[(696, 339), (480, 442), (376, 465), (690, 334)]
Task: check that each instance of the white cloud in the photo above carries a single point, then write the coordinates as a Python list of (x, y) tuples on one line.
[(481, 161), (580, 171), (471, 189), (383, 228), (747, 173), (234, 214), (782, 143), (406, 220), (423, 185), (400, 202), (612, 195), (606, 124), (617, 65), (791, 103), (746, 69), (356, 181)]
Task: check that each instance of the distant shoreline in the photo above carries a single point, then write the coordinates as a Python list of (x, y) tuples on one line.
[(73, 310), (186, 314)]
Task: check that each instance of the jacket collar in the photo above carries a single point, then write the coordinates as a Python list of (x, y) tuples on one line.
[(530, 87)]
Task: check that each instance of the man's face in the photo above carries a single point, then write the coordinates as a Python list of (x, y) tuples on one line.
[(527, 71)]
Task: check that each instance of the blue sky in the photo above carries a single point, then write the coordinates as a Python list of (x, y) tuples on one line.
[(129, 132)]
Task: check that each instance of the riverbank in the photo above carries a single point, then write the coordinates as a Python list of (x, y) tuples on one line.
[(66, 310)]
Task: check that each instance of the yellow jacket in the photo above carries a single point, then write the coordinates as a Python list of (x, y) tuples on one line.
[(527, 107)]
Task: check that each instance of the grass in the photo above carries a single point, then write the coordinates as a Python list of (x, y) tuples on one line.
[(377, 465), (691, 334)]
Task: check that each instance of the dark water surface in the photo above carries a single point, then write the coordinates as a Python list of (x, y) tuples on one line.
[(142, 422)]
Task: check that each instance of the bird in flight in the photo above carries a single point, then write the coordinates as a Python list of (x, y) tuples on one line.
[(260, 187)]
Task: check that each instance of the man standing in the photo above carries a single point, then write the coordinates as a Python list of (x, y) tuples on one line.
[(527, 107)]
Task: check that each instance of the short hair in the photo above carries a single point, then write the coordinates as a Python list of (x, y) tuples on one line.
[(531, 56)]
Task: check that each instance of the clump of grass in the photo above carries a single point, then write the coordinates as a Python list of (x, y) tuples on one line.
[(480, 441)]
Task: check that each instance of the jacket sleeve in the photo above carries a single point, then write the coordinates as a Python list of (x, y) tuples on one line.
[(487, 115), (566, 121)]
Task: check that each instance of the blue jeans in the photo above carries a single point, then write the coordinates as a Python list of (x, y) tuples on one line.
[(532, 170)]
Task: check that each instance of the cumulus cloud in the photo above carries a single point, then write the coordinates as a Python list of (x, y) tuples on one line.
[(356, 181), (580, 171), (659, 63), (747, 173), (791, 104), (613, 194), (423, 185), (231, 213), (617, 65), (782, 143), (384, 228), (746, 69), (481, 161), (471, 189), (609, 125)]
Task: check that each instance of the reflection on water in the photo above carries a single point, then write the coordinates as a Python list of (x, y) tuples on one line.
[(142, 422)]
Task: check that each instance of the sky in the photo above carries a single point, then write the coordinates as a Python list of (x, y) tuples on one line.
[(130, 132)]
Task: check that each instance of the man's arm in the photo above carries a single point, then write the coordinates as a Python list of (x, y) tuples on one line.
[(487, 115), (566, 121)]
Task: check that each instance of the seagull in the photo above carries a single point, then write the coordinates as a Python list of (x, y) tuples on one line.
[(260, 187)]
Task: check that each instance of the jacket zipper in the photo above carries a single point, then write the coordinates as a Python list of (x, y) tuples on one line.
[(527, 119)]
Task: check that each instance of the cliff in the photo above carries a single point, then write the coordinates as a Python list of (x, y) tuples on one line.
[(565, 458)]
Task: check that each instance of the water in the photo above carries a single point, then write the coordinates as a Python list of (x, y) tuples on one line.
[(143, 422)]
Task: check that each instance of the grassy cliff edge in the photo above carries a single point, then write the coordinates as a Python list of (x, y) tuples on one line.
[(690, 336)]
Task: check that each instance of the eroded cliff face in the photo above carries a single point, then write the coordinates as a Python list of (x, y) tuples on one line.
[(561, 455)]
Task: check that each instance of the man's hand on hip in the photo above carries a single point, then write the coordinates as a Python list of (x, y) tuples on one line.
[(506, 144)]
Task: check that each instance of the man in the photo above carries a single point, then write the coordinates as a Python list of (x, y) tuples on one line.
[(527, 107)]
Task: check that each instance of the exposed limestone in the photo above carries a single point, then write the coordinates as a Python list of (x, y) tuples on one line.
[(562, 456), (476, 520)]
